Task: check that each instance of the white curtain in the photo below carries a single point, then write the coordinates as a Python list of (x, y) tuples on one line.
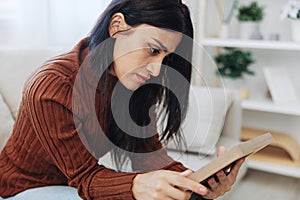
[(38, 23)]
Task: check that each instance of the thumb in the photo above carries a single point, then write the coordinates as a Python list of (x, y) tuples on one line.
[(186, 173), (221, 151)]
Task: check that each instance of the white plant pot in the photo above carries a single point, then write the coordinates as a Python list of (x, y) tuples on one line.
[(238, 85), (295, 30), (224, 31), (250, 30)]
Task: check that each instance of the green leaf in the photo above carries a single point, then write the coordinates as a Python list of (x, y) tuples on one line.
[(234, 62), (252, 12)]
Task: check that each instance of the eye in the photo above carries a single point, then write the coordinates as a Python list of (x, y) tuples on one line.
[(154, 51)]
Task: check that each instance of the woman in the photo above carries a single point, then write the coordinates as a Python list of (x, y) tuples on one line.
[(73, 112)]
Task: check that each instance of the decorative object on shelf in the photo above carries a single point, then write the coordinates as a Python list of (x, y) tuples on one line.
[(292, 11), (284, 150), (250, 17), (296, 30), (226, 14), (238, 85), (274, 37), (280, 85), (233, 64)]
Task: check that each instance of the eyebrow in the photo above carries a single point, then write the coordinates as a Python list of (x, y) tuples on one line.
[(163, 47)]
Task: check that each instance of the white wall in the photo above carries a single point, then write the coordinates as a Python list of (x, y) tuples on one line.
[(35, 23)]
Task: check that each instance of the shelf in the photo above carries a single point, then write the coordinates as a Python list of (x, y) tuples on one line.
[(257, 108), (273, 168), (268, 106), (252, 44), (280, 157)]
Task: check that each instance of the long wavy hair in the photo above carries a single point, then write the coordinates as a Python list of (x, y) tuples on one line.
[(167, 14)]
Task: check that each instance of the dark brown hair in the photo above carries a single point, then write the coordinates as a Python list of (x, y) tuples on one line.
[(167, 14)]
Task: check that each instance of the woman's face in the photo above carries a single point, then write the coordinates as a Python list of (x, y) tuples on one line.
[(139, 52)]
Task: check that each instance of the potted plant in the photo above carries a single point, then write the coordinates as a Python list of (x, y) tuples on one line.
[(233, 64), (292, 11), (249, 17)]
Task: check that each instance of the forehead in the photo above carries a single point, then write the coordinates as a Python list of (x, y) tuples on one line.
[(170, 39)]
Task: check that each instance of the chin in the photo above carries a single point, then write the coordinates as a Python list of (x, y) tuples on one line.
[(130, 84), (131, 87)]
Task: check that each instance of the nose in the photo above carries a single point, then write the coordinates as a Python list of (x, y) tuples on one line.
[(154, 67)]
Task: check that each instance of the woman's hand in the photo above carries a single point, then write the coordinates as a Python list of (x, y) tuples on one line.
[(224, 183), (164, 184)]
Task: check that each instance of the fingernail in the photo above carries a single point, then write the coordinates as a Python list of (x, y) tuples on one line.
[(186, 172), (202, 190)]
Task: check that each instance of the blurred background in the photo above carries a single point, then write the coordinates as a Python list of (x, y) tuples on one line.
[(32, 30), (47, 22)]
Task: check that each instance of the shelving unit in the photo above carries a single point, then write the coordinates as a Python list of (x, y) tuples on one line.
[(266, 105), (272, 168), (269, 53), (251, 44)]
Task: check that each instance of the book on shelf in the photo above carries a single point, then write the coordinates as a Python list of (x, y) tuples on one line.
[(227, 160)]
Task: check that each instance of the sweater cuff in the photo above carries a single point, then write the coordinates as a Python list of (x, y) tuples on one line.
[(176, 166), (114, 187)]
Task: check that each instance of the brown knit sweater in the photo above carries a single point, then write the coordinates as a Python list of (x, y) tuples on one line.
[(45, 147)]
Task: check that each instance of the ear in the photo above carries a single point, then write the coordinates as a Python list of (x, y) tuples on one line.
[(117, 24)]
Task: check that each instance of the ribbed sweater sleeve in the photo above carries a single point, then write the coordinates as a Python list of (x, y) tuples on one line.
[(47, 148), (47, 98)]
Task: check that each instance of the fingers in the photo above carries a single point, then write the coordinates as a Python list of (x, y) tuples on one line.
[(160, 184), (224, 183), (175, 193), (186, 183), (220, 187), (234, 172), (168, 191), (215, 190)]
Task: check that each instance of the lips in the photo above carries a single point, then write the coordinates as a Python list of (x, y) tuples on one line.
[(142, 78)]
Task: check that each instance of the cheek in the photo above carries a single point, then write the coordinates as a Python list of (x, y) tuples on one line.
[(129, 62)]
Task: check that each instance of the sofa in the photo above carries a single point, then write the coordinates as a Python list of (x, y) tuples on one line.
[(219, 122), (213, 119), (16, 66)]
